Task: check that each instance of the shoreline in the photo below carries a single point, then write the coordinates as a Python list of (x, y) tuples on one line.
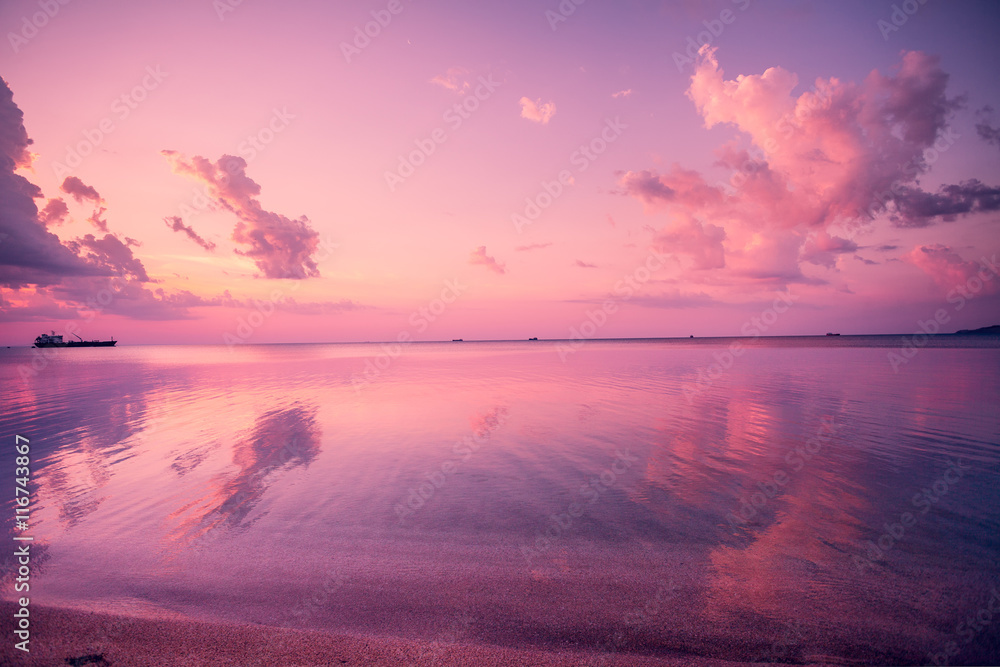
[(64, 636)]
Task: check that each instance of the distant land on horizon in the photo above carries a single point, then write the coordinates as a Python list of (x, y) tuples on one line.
[(992, 331)]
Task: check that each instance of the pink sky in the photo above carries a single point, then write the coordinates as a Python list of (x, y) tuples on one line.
[(500, 166)]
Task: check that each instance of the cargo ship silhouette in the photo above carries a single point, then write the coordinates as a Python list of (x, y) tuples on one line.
[(53, 340)]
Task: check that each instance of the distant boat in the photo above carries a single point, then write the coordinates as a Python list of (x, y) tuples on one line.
[(833, 334), (456, 340), (53, 340), (535, 338)]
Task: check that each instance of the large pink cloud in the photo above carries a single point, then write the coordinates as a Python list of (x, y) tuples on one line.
[(949, 270), (701, 242), (834, 157), (281, 247)]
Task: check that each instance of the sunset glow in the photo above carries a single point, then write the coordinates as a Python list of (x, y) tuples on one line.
[(211, 172)]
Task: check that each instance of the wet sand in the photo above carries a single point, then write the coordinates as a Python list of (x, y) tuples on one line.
[(70, 637)]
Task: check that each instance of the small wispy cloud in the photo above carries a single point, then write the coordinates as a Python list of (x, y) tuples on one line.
[(535, 111), (454, 80), (480, 257), (622, 93), (176, 224), (532, 246)]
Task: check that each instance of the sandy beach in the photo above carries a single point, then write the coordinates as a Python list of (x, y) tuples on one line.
[(70, 637)]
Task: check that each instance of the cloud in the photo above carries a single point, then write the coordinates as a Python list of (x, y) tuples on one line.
[(453, 80), (674, 299), (29, 254), (111, 254), (14, 140), (70, 279), (804, 165), (54, 213), (177, 224), (821, 248), (698, 241), (479, 256), (319, 307), (280, 246), (682, 187), (916, 208), (532, 246), (985, 128), (946, 267), (536, 111), (80, 191), (622, 93), (584, 265), (96, 219)]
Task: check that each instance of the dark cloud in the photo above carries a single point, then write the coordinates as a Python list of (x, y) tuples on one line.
[(54, 213), (280, 246), (96, 219), (81, 192), (647, 186), (985, 128), (176, 224), (916, 208), (29, 254), (111, 254)]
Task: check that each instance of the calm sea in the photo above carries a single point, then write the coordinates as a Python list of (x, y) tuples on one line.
[(789, 500)]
